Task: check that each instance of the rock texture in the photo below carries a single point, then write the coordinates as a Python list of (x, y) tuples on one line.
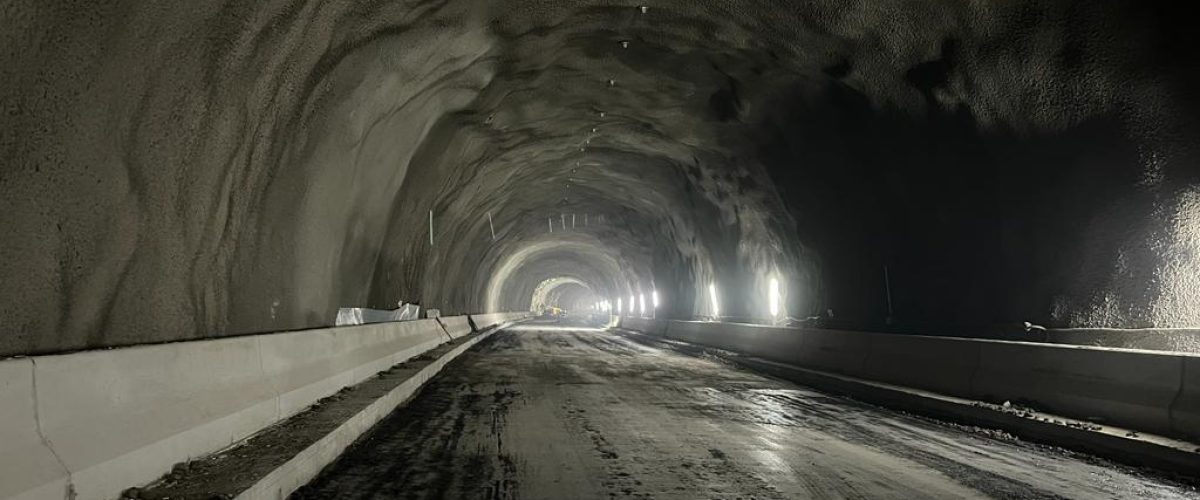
[(174, 170)]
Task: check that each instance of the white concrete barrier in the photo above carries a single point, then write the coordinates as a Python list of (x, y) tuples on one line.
[(306, 366), (656, 327), (773, 343), (456, 326), (1147, 390), (122, 417), (1114, 386), (836, 351), (117, 418), (939, 364), (1185, 411), (485, 321), (28, 468)]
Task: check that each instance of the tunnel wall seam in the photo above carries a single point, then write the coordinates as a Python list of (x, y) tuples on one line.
[(29, 467), (97, 422), (456, 326)]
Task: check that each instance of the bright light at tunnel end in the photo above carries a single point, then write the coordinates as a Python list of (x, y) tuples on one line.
[(642, 304)]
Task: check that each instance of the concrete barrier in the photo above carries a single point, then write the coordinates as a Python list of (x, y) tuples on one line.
[(1185, 410), (1152, 391), (1118, 387), (122, 417), (28, 468), (780, 344), (485, 321), (939, 364), (656, 327), (456, 326), (836, 351), (306, 366)]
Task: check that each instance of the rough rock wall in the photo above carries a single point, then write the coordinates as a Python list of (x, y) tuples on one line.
[(176, 170)]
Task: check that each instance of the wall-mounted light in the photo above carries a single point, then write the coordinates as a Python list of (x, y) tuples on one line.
[(716, 306), (632, 303), (619, 306), (773, 297), (654, 298), (642, 304)]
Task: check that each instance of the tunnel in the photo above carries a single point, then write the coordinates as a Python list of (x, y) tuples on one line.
[(719, 197)]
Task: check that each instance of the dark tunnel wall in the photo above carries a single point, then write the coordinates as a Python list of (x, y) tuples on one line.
[(174, 170)]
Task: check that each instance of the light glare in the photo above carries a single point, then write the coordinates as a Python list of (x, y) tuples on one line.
[(654, 298), (642, 304), (773, 295), (716, 307)]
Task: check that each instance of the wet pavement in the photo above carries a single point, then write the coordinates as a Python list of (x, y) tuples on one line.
[(555, 411)]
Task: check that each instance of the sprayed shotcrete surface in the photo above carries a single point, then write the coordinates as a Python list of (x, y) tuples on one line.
[(179, 169), (558, 411)]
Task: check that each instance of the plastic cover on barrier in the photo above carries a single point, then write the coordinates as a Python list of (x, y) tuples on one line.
[(360, 316)]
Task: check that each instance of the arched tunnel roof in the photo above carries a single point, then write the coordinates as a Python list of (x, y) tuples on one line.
[(180, 170)]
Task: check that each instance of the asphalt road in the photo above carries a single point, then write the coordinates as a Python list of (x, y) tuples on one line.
[(559, 412)]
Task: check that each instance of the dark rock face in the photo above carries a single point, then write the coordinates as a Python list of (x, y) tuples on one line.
[(174, 170)]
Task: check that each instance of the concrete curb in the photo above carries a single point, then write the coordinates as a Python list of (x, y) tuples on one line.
[(305, 466)]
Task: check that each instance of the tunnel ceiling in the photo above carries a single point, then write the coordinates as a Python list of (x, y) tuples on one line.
[(179, 170)]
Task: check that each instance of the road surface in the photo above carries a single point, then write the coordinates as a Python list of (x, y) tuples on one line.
[(560, 412)]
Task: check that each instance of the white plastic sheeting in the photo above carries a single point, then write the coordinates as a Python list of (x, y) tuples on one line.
[(361, 316)]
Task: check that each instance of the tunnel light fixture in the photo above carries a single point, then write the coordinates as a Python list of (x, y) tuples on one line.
[(716, 306), (632, 303), (619, 306), (654, 298), (642, 304), (773, 297)]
